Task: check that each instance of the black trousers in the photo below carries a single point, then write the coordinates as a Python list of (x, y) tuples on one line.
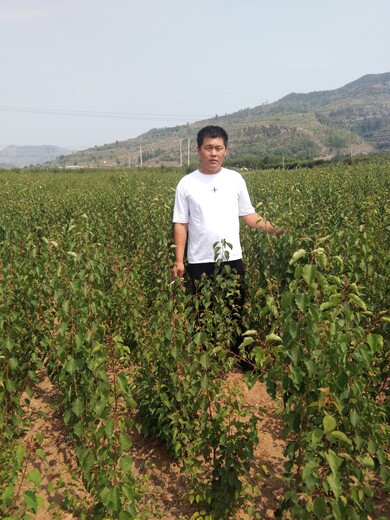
[(195, 272)]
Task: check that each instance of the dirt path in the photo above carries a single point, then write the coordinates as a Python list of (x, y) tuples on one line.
[(60, 477), (164, 487), (165, 481)]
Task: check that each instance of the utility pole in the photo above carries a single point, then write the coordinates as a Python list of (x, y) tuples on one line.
[(188, 152), (140, 154), (181, 154)]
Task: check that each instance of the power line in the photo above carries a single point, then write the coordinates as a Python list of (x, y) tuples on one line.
[(107, 115)]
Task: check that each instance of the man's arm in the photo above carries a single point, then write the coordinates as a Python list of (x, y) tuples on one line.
[(255, 221), (180, 239)]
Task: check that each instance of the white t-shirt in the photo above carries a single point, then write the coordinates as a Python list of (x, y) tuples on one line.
[(211, 205)]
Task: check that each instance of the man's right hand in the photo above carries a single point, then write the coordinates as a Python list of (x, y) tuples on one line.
[(178, 269)]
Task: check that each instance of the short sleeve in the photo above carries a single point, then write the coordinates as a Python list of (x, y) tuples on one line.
[(180, 209), (245, 206)]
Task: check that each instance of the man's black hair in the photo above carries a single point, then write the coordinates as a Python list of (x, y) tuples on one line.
[(213, 132)]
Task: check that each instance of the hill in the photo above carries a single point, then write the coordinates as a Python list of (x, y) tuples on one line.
[(353, 119), (21, 156)]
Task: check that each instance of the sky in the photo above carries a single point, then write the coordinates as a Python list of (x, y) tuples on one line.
[(83, 73)]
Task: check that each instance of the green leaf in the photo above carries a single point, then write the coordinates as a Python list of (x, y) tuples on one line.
[(273, 337), (79, 341), (31, 500), (19, 455), (175, 352), (335, 485), (125, 442), (323, 239), (13, 363), (311, 367), (329, 423), (309, 468), (308, 273), (322, 260), (34, 476), (78, 407), (115, 498), (316, 436), (41, 453), (39, 437), (340, 436), (105, 496), (319, 507), (7, 493), (101, 409), (109, 428), (375, 341), (297, 255), (10, 386), (122, 380), (328, 305), (246, 342), (294, 329), (302, 301), (368, 462), (205, 360), (251, 332), (334, 461), (342, 379), (130, 493), (70, 366), (126, 464), (358, 301), (78, 429)]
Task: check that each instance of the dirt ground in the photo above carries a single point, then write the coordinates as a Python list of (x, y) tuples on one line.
[(164, 486)]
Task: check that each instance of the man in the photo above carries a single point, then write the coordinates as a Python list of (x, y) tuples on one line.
[(208, 204)]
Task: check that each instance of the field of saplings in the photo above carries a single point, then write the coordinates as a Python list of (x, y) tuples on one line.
[(88, 300)]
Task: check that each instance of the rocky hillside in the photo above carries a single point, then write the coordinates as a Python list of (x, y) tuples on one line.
[(351, 120)]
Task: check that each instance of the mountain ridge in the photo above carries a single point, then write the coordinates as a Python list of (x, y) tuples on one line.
[(28, 155), (350, 120)]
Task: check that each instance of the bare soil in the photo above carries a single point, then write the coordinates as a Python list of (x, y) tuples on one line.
[(59, 470), (164, 486)]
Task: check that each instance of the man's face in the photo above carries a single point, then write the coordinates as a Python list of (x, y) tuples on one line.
[(212, 154)]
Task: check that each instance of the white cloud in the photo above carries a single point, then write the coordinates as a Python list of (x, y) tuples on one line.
[(12, 11)]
